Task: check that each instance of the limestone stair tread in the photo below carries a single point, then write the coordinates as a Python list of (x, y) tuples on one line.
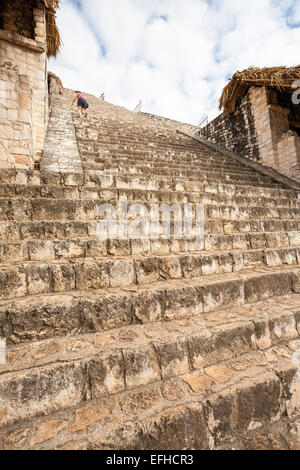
[(155, 196), (98, 179), (170, 265), (255, 389), (41, 315)]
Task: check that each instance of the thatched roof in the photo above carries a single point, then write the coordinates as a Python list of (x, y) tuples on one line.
[(53, 36), (280, 78), (52, 4)]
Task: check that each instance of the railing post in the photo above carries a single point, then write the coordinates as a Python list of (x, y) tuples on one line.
[(138, 108)]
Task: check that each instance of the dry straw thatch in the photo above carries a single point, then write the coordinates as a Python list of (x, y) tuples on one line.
[(53, 36), (280, 78)]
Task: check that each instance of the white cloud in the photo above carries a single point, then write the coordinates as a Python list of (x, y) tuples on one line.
[(175, 55)]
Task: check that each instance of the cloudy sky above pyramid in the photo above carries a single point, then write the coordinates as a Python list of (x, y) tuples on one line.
[(174, 55)]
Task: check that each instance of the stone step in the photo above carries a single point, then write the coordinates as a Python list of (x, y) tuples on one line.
[(129, 344), (112, 134), (96, 178), (167, 180), (43, 209), (251, 365), (87, 274), (199, 173), (155, 196), (95, 308), (108, 161), (218, 234), (181, 157), (187, 174), (182, 413), (284, 250)]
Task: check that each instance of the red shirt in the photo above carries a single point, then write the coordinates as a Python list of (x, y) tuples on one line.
[(81, 95)]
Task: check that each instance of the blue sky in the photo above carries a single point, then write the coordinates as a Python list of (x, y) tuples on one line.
[(174, 55)]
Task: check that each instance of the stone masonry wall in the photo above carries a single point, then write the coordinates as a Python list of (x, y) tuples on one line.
[(17, 16), (54, 85), (235, 132), (23, 92), (260, 129), (279, 147)]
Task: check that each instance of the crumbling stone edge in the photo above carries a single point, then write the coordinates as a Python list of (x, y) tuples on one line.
[(267, 171)]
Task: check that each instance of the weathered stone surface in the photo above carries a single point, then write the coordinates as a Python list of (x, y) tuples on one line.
[(141, 367), (91, 275), (48, 430), (198, 383), (122, 273), (219, 373), (171, 390), (231, 294), (183, 303), (106, 375), (147, 270), (89, 415), (48, 389), (173, 358)]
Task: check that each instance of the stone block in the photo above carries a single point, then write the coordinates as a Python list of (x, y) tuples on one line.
[(38, 279), (121, 273), (106, 375), (226, 294), (183, 302), (173, 358), (147, 270), (141, 367), (91, 275)]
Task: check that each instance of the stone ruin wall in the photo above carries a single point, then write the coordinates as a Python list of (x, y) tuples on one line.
[(279, 145), (236, 131), (260, 129), (23, 84), (54, 85), (17, 16)]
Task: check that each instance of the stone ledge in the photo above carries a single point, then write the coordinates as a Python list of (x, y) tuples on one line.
[(267, 171), (22, 41)]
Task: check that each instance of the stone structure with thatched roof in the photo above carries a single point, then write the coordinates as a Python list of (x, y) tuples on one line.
[(28, 34), (260, 118)]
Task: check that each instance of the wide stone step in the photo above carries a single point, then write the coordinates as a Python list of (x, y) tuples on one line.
[(279, 248), (172, 415), (81, 384), (168, 180), (112, 136), (220, 233), (96, 178), (182, 160), (226, 235), (96, 309), (217, 171), (21, 209), (154, 196), (188, 174), (179, 157), (88, 274), (182, 172)]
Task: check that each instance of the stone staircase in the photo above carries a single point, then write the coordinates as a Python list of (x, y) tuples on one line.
[(146, 344)]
